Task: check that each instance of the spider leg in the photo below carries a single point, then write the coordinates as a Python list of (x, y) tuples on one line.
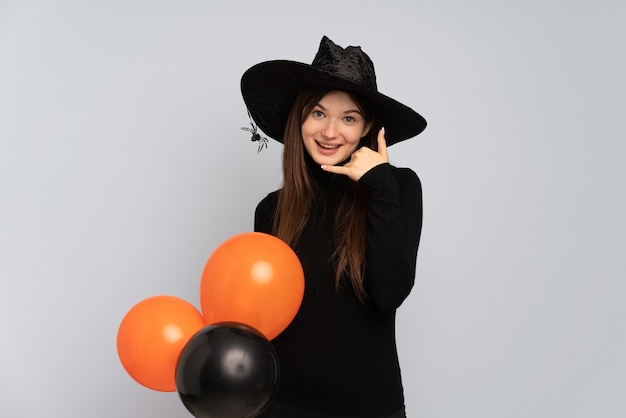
[(262, 143)]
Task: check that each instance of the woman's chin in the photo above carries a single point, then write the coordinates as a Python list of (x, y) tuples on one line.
[(334, 159)]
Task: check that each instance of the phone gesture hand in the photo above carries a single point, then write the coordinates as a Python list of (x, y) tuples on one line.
[(362, 160)]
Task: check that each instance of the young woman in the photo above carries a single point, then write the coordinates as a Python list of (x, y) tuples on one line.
[(354, 221)]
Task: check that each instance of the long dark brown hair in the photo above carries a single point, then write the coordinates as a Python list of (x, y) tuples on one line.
[(297, 196)]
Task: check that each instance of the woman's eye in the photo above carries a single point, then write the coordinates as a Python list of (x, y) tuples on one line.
[(318, 113), (349, 119)]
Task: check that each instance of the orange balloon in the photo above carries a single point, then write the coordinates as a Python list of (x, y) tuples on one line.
[(151, 337), (254, 279)]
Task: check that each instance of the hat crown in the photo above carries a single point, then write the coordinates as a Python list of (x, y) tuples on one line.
[(350, 63)]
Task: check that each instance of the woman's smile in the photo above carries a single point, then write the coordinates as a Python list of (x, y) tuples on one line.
[(327, 149)]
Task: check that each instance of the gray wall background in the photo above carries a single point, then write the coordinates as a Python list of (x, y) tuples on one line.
[(123, 166)]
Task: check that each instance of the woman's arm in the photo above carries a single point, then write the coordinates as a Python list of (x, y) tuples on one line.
[(395, 224)]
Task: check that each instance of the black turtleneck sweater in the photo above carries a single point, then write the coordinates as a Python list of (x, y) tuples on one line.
[(339, 356)]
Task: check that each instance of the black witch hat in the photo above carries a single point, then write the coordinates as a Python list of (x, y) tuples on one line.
[(270, 88)]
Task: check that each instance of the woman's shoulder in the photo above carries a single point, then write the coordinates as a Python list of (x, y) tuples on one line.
[(268, 203), (264, 213), (404, 175), (403, 172), (401, 175), (270, 198)]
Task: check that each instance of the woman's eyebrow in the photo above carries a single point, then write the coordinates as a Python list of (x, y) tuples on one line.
[(345, 112)]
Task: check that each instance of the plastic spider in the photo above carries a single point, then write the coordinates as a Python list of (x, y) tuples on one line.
[(254, 130)]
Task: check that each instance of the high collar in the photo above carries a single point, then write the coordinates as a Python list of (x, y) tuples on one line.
[(325, 180)]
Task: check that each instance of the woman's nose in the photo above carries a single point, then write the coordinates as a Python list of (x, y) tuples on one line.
[(330, 130)]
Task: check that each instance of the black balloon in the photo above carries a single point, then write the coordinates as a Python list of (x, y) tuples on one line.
[(227, 370)]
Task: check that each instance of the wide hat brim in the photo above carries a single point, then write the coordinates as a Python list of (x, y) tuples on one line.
[(270, 88)]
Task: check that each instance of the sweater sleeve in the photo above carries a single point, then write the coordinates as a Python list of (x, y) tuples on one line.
[(395, 224)]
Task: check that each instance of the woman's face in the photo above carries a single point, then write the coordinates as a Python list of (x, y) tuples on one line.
[(333, 129)]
